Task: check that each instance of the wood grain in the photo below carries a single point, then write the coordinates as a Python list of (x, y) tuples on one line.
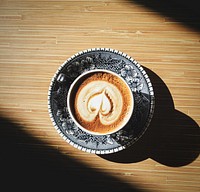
[(36, 37)]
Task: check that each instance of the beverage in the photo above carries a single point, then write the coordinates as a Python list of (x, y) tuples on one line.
[(102, 102)]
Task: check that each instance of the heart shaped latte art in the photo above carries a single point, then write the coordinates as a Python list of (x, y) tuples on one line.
[(100, 99)]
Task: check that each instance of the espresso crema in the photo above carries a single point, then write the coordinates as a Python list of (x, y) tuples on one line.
[(103, 102)]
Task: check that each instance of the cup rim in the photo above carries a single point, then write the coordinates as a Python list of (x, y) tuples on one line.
[(72, 86)]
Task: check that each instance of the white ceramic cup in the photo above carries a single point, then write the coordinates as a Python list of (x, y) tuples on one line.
[(99, 101)]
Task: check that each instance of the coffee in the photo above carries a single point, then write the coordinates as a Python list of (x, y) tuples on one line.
[(102, 103)]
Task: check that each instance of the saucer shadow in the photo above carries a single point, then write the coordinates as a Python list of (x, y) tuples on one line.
[(172, 138)]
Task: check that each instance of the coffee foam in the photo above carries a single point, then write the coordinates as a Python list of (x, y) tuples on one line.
[(102, 103)]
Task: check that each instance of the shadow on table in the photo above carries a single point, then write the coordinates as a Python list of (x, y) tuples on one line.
[(172, 139), (29, 164), (186, 12), (26, 163)]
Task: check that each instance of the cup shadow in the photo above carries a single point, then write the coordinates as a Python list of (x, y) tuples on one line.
[(172, 137)]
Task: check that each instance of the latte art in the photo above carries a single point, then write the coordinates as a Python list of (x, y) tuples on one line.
[(100, 103), (103, 103), (100, 99)]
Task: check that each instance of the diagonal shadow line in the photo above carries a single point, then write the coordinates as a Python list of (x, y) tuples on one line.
[(28, 163), (172, 139), (186, 12)]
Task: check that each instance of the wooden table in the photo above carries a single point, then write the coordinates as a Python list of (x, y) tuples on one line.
[(36, 37)]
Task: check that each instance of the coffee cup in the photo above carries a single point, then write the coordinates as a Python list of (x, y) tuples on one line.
[(100, 102)]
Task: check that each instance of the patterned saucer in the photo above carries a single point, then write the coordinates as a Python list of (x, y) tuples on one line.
[(113, 60)]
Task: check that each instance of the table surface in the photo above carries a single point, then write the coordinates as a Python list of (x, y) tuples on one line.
[(36, 37)]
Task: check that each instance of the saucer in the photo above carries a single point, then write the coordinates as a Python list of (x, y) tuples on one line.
[(125, 66)]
